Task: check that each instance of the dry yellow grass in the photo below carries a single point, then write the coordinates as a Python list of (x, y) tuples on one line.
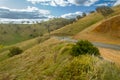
[(38, 62), (110, 55)]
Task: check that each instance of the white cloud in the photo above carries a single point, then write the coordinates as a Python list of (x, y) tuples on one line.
[(71, 15), (28, 9), (28, 13), (117, 3), (64, 2), (103, 4)]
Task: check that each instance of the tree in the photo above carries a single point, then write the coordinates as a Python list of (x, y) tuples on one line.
[(104, 10), (48, 28), (78, 17), (92, 12), (83, 14)]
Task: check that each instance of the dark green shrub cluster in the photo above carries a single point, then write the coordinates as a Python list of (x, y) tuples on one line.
[(14, 51), (84, 47)]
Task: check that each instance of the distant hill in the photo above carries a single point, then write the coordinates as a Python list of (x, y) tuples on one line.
[(14, 33)]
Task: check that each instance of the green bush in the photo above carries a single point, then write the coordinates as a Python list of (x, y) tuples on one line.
[(15, 51), (84, 47)]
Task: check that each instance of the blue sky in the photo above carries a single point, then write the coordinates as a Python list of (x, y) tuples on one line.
[(50, 8)]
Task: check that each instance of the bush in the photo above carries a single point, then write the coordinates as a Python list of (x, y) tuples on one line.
[(84, 47), (15, 51)]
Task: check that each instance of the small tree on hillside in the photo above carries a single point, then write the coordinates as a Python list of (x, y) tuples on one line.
[(104, 10), (14, 51), (48, 28), (78, 17), (84, 14)]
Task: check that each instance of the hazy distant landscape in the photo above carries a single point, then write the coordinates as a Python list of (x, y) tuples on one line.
[(60, 40)]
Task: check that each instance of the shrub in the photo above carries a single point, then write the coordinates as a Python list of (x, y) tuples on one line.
[(15, 51), (84, 47)]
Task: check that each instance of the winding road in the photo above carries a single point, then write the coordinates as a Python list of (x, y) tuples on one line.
[(97, 44)]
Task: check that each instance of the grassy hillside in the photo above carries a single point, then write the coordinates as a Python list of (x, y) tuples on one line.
[(4, 51), (14, 33), (78, 26), (51, 60), (84, 23), (106, 31)]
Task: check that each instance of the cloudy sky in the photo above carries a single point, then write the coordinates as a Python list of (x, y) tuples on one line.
[(44, 9)]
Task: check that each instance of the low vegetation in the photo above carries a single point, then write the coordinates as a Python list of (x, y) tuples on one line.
[(84, 47), (14, 51)]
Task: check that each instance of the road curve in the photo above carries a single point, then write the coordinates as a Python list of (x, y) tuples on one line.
[(97, 44)]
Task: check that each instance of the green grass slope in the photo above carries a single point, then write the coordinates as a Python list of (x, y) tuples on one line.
[(14, 33)]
